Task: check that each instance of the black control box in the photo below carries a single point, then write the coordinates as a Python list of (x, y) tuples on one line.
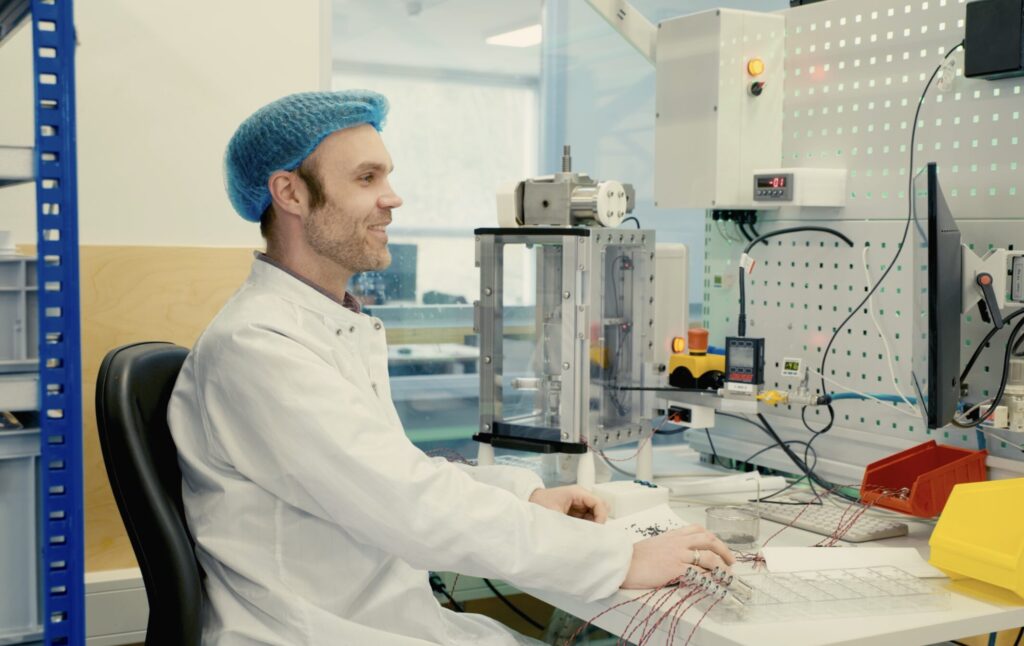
[(744, 360), (994, 39)]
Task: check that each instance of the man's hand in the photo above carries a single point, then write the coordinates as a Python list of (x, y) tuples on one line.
[(573, 501), (660, 559)]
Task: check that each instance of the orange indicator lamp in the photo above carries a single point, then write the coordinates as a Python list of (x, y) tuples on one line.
[(678, 345)]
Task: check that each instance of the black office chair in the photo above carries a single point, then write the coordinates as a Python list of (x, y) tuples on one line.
[(132, 392)]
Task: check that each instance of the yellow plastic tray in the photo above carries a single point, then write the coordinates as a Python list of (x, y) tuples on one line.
[(980, 534)]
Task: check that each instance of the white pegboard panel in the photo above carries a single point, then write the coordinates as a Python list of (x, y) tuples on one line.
[(803, 286), (855, 70)]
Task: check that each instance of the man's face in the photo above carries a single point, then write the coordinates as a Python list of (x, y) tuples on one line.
[(348, 229)]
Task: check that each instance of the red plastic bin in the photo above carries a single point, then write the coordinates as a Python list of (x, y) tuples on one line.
[(929, 471)]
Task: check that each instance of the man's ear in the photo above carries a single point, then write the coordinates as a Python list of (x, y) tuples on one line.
[(287, 192)]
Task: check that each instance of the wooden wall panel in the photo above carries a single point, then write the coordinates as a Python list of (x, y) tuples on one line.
[(141, 293), (134, 294)]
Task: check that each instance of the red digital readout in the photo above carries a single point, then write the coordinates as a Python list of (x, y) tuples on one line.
[(778, 181)]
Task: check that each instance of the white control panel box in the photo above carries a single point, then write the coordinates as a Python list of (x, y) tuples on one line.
[(719, 91), (774, 187), (671, 296)]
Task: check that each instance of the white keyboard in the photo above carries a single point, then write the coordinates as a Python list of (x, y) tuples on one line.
[(826, 518)]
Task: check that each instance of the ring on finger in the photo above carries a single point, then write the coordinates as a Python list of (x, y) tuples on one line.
[(696, 557)]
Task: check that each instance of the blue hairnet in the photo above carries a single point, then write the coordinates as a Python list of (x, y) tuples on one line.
[(281, 134)]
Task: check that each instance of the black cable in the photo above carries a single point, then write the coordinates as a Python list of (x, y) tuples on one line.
[(512, 606), (1020, 633), (800, 229), (456, 606), (795, 482), (741, 325), (809, 448), (984, 343), (742, 321), (1002, 381), (906, 228), (633, 218), (667, 389), (801, 464), (714, 453), (814, 477), (819, 431), (774, 446), (740, 418), (437, 585), (716, 460), (743, 229)]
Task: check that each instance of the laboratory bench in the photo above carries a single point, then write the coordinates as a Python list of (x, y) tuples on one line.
[(973, 608)]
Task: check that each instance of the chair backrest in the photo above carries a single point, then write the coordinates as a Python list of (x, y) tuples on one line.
[(132, 392)]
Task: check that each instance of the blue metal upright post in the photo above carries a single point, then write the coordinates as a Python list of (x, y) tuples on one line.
[(60, 363)]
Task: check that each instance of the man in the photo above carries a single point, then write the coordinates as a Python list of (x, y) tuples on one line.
[(315, 518)]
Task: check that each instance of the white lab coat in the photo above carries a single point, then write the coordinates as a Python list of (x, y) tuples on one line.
[(316, 518)]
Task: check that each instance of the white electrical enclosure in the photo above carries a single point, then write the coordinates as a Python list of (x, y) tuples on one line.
[(671, 297), (811, 187), (711, 129)]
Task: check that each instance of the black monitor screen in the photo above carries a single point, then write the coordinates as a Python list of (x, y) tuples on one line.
[(939, 257)]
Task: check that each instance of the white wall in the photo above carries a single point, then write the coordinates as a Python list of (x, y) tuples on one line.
[(161, 88)]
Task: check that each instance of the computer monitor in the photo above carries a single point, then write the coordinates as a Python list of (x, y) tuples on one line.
[(940, 247), (397, 283)]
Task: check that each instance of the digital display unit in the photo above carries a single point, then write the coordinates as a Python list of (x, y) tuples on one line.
[(744, 360), (792, 367), (778, 181), (773, 187)]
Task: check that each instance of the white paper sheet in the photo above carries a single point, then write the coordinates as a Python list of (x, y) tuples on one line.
[(800, 559), (648, 523)]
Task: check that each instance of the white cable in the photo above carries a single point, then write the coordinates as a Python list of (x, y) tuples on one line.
[(1001, 438), (728, 238), (881, 335), (964, 417), (888, 405)]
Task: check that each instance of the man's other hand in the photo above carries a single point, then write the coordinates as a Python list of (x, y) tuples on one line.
[(659, 560), (572, 500)]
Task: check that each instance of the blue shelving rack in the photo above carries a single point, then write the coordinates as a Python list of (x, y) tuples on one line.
[(60, 362)]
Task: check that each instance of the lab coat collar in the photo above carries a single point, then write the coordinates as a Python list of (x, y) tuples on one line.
[(267, 276)]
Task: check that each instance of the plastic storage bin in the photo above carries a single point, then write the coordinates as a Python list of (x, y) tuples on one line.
[(980, 534), (928, 472), (19, 564), (19, 325), (19, 451)]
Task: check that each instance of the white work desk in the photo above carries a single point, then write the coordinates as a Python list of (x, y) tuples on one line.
[(966, 615)]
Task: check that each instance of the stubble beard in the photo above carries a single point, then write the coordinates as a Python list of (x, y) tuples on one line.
[(343, 239)]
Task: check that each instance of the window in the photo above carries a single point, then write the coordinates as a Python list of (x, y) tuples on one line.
[(463, 120)]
